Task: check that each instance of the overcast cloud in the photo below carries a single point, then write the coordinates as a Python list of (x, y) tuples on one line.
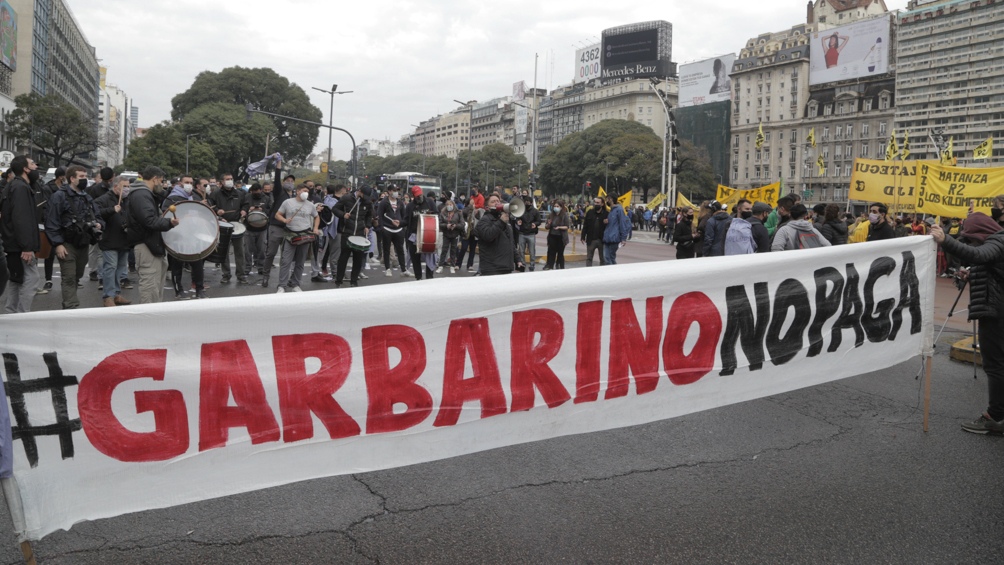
[(405, 61)]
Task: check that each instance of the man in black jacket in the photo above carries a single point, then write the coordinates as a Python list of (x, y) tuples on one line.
[(880, 227), (20, 238), (527, 227), (95, 258), (114, 242), (229, 205), (761, 237), (592, 231), (146, 224), (72, 224), (355, 213), (420, 204), (496, 245)]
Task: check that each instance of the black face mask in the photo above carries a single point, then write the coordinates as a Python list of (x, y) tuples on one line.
[(82, 184), (33, 175), (995, 213), (746, 215)]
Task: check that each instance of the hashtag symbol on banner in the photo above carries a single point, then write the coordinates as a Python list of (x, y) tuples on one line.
[(56, 384)]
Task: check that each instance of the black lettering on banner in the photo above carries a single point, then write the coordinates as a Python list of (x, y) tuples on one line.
[(850, 314), (741, 327), (827, 305), (56, 383), (876, 320), (790, 294), (909, 297)]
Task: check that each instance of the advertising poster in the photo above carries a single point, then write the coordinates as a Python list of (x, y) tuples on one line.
[(847, 52), (587, 64), (8, 36), (706, 81)]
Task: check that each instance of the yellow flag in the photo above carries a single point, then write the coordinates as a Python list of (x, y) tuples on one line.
[(905, 151), (602, 193), (656, 201), (683, 202), (948, 155), (984, 150), (822, 165), (892, 149), (625, 201), (811, 140), (759, 137)]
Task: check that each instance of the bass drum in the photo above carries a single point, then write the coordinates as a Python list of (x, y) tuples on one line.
[(222, 250), (257, 220), (427, 236), (196, 234), (239, 230)]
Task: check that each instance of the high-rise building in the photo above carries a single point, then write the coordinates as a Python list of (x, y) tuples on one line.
[(950, 76), (487, 127), (115, 125)]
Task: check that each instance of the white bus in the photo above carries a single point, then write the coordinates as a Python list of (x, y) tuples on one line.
[(405, 180)]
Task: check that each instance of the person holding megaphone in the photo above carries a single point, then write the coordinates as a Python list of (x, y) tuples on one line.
[(496, 240)]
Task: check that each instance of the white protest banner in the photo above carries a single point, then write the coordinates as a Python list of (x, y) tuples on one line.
[(126, 409)]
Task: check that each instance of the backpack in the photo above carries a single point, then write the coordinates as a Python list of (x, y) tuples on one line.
[(739, 238), (808, 240)]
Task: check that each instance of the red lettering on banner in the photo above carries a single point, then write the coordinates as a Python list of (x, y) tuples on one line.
[(631, 351), (688, 369), (228, 368), (388, 386), (301, 395), (529, 361), (470, 337), (106, 433), (587, 352)]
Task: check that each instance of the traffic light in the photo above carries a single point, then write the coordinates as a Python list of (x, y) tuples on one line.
[(324, 167)]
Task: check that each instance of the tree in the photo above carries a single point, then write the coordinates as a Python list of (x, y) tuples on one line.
[(265, 90), (564, 168), (164, 146), (54, 126), (697, 175), (235, 139)]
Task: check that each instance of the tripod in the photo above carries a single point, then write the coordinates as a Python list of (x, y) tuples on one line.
[(951, 312)]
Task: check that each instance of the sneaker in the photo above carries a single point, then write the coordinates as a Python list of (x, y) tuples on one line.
[(296, 289), (388, 273), (281, 290), (984, 425), (453, 270), (363, 275), (126, 284), (242, 280), (180, 295), (225, 279), (406, 273), (200, 294), (101, 286), (439, 270), (325, 274), (264, 282), (94, 276), (316, 278), (47, 287), (353, 284)]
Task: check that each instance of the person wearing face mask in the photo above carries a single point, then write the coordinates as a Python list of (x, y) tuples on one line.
[(451, 223), (879, 227), (95, 258), (557, 226), (145, 225), (21, 240), (685, 235), (355, 216), (420, 204), (114, 242), (715, 230), (592, 231), (256, 239), (276, 229), (229, 205), (72, 225), (390, 215), (184, 191), (298, 215), (496, 241), (527, 227)]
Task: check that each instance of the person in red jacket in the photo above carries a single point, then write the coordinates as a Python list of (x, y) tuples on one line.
[(478, 201)]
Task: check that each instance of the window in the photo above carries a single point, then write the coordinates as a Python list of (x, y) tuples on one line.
[(838, 132), (793, 137), (793, 156), (827, 109), (791, 173), (867, 106), (882, 127), (883, 102), (826, 132), (838, 151), (864, 130), (847, 170), (850, 130), (864, 150)]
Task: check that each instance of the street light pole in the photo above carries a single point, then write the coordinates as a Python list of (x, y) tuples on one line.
[(470, 130), (187, 137), (331, 114)]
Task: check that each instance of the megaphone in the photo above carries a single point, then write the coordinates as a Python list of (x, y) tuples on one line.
[(514, 208)]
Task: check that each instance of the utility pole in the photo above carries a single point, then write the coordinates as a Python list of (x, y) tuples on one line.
[(331, 114)]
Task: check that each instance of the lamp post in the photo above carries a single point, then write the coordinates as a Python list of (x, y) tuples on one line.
[(187, 137), (251, 111), (331, 113), (606, 175), (470, 129), (669, 132)]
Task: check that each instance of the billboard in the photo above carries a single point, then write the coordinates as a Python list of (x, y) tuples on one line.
[(587, 64), (522, 115), (847, 52), (706, 81), (637, 50), (8, 36)]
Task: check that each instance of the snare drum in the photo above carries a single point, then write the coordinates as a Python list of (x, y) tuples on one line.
[(239, 230), (427, 236), (257, 220), (358, 243), (220, 254), (196, 234)]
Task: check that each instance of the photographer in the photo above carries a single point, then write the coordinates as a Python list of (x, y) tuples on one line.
[(71, 224), (986, 304)]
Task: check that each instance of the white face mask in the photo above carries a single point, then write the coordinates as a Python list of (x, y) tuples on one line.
[(303, 195), (228, 183), (188, 188), (125, 191), (449, 208), (393, 194)]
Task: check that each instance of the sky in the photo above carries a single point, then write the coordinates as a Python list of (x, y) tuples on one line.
[(404, 61)]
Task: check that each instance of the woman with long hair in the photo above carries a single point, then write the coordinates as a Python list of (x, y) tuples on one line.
[(557, 225)]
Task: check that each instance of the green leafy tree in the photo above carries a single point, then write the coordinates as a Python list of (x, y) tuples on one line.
[(265, 90), (564, 168), (54, 126), (164, 146), (697, 174), (235, 139)]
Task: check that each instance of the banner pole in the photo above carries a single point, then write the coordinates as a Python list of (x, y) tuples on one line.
[(927, 390), (12, 494)]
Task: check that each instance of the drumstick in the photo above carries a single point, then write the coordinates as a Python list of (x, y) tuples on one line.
[(172, 209)]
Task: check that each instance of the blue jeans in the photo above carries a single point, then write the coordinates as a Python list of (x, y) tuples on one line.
[(610, 252), (113, 270)]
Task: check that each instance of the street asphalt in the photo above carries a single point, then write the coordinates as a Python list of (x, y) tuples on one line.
[(838, 473)]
